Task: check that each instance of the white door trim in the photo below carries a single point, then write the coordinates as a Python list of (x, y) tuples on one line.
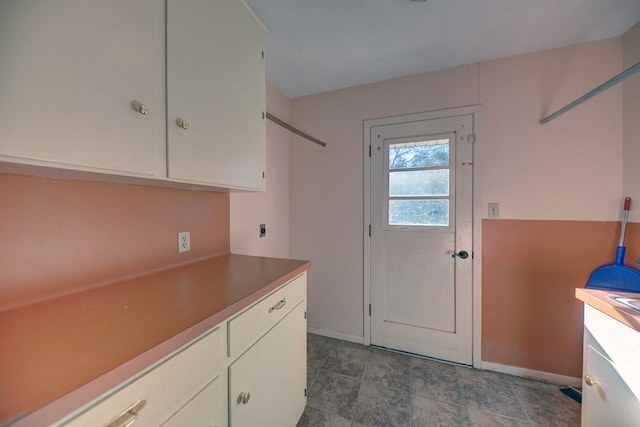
[(475, 111)]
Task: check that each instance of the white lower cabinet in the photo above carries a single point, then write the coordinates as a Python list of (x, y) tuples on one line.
[(611, 372), (155, 395), (267, 383), (250, 370)]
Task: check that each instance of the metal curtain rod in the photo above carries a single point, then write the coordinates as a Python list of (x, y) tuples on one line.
[(294, 130), (604, 86)]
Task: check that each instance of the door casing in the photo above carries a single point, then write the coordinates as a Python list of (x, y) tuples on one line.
[(475, 112)]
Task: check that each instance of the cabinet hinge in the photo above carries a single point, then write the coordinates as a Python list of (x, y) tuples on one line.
[(369, 310), (305, 392), (263, 54), (262, 174), (369, 151), (305, 314), (263, 115), (369, 230), (471, 138)]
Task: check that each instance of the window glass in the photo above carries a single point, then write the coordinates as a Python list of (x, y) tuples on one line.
[(434, 212), (418, 180), (419, 183), (419, 154)]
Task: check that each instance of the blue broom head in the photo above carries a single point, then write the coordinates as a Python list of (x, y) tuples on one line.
[(615, 277)]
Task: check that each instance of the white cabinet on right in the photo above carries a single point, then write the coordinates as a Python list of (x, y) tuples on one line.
[(215, 94), (611, 372)]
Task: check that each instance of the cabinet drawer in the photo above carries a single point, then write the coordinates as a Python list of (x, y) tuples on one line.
[(166, 387), (245, 328)]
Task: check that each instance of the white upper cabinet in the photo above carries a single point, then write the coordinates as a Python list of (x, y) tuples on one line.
[(216, 89), (74, 73), (70, 71)]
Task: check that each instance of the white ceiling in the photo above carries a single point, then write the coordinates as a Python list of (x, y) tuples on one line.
[(321, 45)]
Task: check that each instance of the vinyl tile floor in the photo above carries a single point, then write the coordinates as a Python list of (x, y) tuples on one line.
[(352, 385)]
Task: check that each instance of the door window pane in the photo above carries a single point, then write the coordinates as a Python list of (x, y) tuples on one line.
[(419, 183), (421, 154), (434, 212)]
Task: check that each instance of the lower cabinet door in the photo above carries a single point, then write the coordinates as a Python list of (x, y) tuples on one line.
[(267, 383), (206, 409), (607, 399)]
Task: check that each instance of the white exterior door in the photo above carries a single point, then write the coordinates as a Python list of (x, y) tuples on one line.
[(421, 237)]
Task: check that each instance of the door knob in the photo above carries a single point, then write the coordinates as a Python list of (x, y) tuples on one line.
[(461, 255)]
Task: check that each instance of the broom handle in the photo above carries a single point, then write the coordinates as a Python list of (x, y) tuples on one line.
[(625, 217)]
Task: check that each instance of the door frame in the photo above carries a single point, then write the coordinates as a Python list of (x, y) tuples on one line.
[(475, 111)]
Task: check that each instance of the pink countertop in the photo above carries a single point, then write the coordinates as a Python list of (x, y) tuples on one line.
[(60, 354), (600, 300)]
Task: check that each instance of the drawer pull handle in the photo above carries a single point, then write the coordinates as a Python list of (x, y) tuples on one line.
[(244, 398), (279, 305), (129, 416), (590, 381)]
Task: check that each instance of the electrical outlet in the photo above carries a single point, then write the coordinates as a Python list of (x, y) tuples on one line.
[(184, 241), (263, 230)]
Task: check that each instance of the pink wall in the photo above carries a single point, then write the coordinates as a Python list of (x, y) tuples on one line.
[(568, 170), (60, 235), (531, 268), (249, 210), (631, 128)]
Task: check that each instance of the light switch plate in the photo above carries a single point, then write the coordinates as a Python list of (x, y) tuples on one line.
[(494, 210)]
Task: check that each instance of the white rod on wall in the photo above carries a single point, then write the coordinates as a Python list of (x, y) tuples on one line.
[(294, 130), (604, 86)]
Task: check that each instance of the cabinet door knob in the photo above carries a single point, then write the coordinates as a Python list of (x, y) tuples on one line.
[(590, 381), (244, 398), (140, 107), (182, 123)]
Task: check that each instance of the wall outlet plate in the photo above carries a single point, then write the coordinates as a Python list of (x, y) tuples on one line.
[(263, 230), (184, 241)]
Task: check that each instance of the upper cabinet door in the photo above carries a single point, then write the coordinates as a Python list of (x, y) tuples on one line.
[(215, 94), (71, 72)]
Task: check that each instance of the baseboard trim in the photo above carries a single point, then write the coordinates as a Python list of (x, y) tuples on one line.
[(533, 374), (337, 335)]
